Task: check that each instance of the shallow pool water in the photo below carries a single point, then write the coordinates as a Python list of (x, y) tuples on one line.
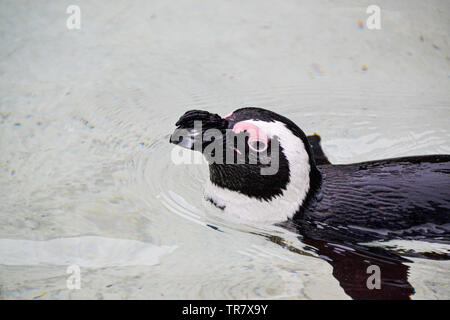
[(86, 176)]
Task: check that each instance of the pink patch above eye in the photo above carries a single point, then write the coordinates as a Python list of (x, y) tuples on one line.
[(254, 132), (228, 115)]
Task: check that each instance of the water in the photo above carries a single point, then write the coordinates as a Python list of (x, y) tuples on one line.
[(85, 170)]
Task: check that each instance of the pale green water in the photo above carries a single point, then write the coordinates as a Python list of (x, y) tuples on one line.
[(86, 114)]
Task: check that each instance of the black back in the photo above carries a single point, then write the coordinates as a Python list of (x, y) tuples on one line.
[(406, 198)]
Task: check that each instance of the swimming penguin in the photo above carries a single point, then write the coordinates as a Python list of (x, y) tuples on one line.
[(407, 197)]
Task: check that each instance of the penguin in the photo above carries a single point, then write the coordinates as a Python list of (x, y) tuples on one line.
[(406, 197), (334, 208)]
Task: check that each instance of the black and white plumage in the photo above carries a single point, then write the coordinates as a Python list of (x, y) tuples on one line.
[(335, 209), (378, 200)]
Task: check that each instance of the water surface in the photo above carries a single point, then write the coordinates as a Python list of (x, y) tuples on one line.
[(86, 175)]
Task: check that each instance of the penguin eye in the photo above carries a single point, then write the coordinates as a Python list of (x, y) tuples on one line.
[(257, 145), (257, 138)]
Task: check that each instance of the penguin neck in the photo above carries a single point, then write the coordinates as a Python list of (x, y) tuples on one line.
[(247, 179), (243, 193)]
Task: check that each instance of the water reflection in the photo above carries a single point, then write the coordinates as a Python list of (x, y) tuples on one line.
[(350, 264)]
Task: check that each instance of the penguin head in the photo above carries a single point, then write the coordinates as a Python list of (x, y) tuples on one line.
[(261, 164)]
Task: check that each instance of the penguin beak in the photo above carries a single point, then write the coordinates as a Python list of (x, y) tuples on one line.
[(191, 128), (186, 138)]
